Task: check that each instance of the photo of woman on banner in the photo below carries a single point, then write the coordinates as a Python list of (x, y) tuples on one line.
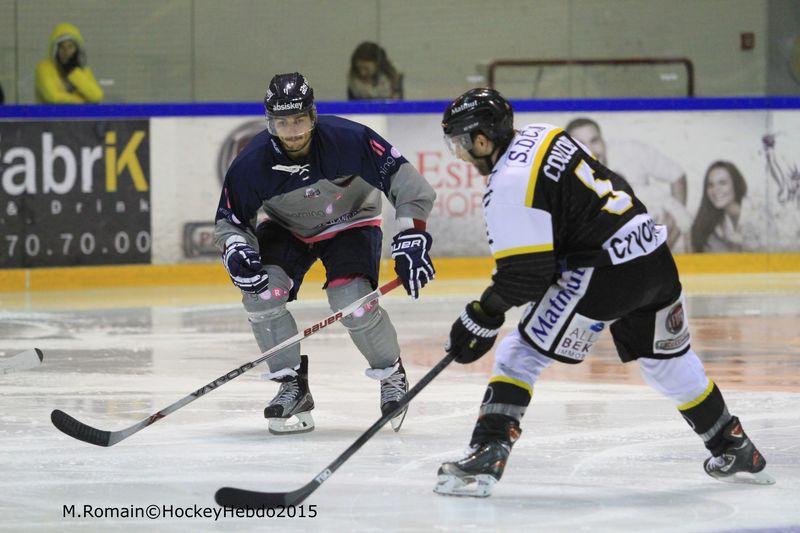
[(726, 220)]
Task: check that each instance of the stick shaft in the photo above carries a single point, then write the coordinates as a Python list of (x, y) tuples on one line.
[(242, 499), (374, 428)]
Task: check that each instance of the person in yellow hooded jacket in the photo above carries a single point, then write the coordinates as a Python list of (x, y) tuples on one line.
[(64, 78)]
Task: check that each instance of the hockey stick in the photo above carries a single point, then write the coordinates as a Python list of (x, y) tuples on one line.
[(77, 429), (243, 499), (22, 361)]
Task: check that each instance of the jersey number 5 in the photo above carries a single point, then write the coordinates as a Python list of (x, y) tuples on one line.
[(619, 201)]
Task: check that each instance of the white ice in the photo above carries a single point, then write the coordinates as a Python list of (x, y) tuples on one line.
[(594, 455)]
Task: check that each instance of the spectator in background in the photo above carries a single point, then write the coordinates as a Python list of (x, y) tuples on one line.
[(658, 180), (372, 76), (64, 78), (718, 225)]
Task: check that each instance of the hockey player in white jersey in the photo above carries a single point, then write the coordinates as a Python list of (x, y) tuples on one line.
[(566, 234)]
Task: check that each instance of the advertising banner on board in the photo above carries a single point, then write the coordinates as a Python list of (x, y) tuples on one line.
[(74, 193)]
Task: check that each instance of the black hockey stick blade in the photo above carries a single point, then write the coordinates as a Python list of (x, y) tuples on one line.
[(250, 499), (243, 499), (78, 430)]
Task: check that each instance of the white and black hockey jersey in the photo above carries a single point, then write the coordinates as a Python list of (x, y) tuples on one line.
[(551, 206)]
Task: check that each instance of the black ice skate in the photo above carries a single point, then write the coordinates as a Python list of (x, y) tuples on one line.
[(476, 474), (740, 461), (393, 387), (290, 410)]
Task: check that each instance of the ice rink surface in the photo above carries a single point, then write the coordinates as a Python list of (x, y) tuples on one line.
[(600, 451)]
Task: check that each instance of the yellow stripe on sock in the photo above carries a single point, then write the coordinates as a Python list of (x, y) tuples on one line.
[(518, 383), (699, 399)]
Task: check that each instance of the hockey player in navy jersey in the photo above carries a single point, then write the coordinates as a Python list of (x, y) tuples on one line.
[(573, 243), (319, 179)]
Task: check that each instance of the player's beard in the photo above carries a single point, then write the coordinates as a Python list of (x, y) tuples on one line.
[(483, 165), (295, 148)]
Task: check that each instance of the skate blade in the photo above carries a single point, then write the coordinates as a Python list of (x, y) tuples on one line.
[(758, 478), (479, 486), (397, 421), (297, 423)]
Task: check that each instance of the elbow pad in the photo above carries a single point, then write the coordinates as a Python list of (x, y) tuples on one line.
[(524, 278)]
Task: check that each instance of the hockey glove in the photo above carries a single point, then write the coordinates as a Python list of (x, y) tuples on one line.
[(412, 263), (473, 334), (244, 266)]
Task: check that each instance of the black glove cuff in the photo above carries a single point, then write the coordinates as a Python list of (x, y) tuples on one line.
[(492, 303), (479, 323)]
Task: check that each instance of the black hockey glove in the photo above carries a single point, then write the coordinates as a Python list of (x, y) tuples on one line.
[(473, 334), (411, 260), (244, 266)]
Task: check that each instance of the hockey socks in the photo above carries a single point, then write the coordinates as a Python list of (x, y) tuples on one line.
[(734, 457)]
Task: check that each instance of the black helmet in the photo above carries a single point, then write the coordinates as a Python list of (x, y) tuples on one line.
[(480, 110), (288, 94)]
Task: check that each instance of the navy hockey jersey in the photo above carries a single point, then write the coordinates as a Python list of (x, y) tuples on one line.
[(336, 187)]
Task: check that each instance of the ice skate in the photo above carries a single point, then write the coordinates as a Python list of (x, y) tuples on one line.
[(290, 410), (476, 474), (740, 461), (394, 386)]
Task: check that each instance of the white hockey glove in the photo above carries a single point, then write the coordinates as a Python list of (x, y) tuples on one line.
[(244, 266), (412, 263)]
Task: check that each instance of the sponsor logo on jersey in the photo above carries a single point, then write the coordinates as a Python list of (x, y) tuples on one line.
[(671, 329), (675, 319), (579, 337), (306, 214), (294, 169), (672, 345), (555, 307), (288, 106), (387, 165), (558, 159), (638, 237), (395, 152), (311, 193), (338, 220)]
